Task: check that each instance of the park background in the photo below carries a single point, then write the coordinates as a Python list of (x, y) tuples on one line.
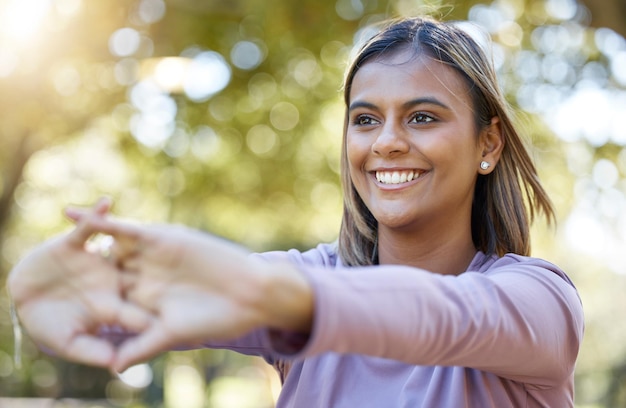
[(226, 115)]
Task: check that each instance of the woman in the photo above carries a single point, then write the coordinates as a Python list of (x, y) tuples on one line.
[(429, 298)]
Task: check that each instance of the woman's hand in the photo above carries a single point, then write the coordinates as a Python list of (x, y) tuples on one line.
[(199, 288), (64, 295)]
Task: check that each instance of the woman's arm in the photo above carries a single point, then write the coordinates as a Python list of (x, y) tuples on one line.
[(520, 320)]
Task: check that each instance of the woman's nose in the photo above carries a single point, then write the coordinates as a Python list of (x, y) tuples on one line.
[(391, 140)]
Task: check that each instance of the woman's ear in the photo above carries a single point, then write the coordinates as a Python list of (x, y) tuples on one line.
[(491, 145)]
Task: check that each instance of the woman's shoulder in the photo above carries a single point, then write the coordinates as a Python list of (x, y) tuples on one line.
[(511, 262), (324, 254)]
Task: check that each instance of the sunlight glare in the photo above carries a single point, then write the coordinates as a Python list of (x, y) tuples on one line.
[(588, 113), (169, 73), (8, 63), (585, 233), (22, 19), (68, 7)]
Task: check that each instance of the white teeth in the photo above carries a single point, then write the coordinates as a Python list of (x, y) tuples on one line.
[(396, 177)]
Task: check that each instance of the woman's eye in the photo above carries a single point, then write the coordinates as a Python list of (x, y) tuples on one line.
[(364, 120), (422, 118)]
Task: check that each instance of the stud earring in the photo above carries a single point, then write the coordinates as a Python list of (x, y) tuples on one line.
[(484, 165)]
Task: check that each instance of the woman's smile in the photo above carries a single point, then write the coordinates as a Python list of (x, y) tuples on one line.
[(397, 176), (394, 179)]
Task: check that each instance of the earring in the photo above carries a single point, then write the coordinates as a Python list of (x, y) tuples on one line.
[(484, 165)]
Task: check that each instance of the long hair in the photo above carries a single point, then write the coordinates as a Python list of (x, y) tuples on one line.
[(505, 200)]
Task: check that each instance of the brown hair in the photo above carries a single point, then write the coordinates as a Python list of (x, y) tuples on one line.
[(505, 200)]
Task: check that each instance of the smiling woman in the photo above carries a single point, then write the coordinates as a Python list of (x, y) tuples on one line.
[(439, 88), (412, 116), (428, 299)]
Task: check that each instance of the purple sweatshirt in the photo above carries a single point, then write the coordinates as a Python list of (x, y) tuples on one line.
[(505, 333)]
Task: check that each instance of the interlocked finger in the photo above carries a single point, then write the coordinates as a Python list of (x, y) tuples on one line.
[(127, 282)]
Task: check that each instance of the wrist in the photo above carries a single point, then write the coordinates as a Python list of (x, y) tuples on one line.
[(287, 299)]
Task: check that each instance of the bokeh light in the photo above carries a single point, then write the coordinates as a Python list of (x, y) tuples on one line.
[(185, 389), (151, 11), (208, 74), (138, 376), (262, 140), (246, 55), (350, 9), (124, 42)]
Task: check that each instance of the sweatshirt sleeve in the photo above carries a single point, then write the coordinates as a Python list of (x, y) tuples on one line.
[(520, 319)]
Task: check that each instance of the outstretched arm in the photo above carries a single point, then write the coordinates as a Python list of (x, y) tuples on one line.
[(518, 318)]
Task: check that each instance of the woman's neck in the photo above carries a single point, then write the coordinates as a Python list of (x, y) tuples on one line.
[(447, 255)]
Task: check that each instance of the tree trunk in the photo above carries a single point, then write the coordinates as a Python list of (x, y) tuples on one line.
[(607, 13)]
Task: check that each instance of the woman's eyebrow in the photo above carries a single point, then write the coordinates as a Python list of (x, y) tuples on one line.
[(361, 104), (425, 101), (413, 102)]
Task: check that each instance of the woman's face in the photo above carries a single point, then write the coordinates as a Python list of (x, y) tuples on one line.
[(412, 146)]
